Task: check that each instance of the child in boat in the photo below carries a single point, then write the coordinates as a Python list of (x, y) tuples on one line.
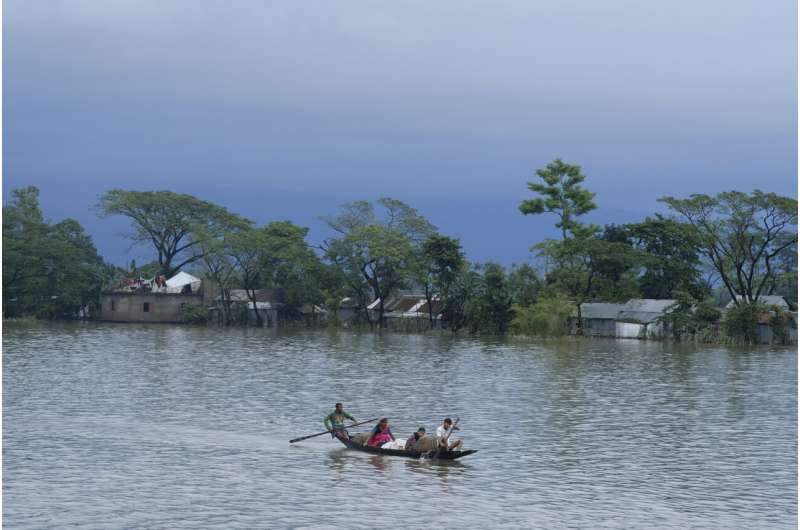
[(381, 434)]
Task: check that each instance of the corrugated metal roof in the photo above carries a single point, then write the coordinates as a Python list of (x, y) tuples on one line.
[(645, 309), (600, 310), (402, 302), (769, 299)]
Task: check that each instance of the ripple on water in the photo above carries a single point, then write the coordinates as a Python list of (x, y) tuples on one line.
[(157, 426)]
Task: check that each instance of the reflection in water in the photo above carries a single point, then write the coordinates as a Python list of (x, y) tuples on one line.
[(337, 460), (441, 469), (381, 463), (158, 426)]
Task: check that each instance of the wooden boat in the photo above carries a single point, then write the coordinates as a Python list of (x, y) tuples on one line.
[(435, 455)]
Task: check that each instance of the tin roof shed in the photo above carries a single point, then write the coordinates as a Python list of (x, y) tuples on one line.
[(645, 310), (600, 310)]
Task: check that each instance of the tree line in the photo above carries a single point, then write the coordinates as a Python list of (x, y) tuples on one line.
[(733, 245)]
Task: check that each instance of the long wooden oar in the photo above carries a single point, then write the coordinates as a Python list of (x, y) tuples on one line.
[(330, 430)]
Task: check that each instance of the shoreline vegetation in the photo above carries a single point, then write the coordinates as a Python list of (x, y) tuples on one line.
[(715, 258)]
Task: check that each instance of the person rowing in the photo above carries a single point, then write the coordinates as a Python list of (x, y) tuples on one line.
[(381, 434), (334, 422), (444, 434)]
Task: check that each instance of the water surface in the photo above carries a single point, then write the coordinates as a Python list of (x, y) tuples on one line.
[(137, 426)]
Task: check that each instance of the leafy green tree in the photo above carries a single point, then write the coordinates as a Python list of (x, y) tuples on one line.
[(175, 224), (290, 267), (460, 293), (546, 318), (219, 266), (670, 258), (49, 270), (617, 264), (377, 253), (575, 269), (442, 259), (490, 310), (275, 257), (577, 261), (743, 236), (741, 322), (525, 285), (690, 319), (561, 194)]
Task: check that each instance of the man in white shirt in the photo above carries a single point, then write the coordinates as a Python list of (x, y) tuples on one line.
[(443, 430)]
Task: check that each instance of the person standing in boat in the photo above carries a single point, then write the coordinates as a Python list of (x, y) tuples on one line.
[(381, 434), (334, 421), (443, 430)]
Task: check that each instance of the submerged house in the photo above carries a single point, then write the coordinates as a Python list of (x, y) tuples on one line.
[(638, 318), (151, 300), (265, 304), (350, 310), (767, 330), (768, 299), (408, 312), (598, 319), (641, 318)]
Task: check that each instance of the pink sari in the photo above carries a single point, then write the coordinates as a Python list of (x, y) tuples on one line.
[(380, 438)]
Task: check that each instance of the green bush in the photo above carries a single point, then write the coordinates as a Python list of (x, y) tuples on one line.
[(193, 314), (741, 322), (692, 320), (780, 322), (706, 313), (546, 318)]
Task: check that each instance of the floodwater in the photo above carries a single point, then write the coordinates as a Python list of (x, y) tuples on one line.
[(136, 426)]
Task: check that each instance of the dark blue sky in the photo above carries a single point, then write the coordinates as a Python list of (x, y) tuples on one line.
[(284, 110)]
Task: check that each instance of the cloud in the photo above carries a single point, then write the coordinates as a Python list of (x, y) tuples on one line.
[(459, 99)]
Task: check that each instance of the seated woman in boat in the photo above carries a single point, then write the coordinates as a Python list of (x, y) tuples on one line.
[(381, 434)]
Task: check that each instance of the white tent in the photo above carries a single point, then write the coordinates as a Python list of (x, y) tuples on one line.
[(177, 282)]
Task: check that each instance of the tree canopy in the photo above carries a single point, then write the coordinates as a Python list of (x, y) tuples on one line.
[(49, 270), (377, 251), (744, 236), (560, 193), (175, 224)]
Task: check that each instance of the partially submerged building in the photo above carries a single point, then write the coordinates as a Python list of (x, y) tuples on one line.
[(265, 304), (767, 299), (151, 300), (638, 318), (349, 311), (598, 319), (408, 312), (641, 318)]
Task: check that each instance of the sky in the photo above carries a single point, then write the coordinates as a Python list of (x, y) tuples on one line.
[(286, 110)]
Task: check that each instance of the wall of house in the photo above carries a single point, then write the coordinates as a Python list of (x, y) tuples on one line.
[(594, 327), (765, 335), (130, 307), (630, 330), (655, 330), (600, 327), (411, 323)]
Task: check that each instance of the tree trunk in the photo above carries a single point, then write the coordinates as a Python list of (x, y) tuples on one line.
[(579, 331), (381, 323), (428, 298), (366, 314), (252, 296), (226, 306)]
